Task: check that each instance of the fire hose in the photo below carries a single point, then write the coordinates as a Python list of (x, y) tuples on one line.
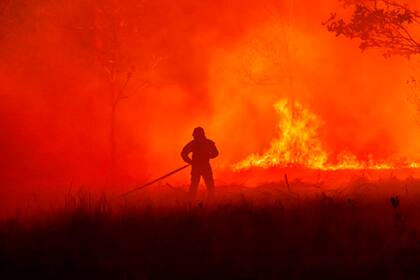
[(154, 181)]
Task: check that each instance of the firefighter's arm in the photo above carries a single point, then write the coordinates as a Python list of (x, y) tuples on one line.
[(213, 152), (185, 153)]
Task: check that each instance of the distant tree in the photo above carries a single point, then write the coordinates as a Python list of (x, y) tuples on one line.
[(3, 7), (112, 35), (113, 26), (383, 24), (6, 19), (109, 53)]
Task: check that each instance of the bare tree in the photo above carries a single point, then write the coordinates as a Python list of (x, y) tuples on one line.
[(383, 24), (4, 5), (108, 25), (6, 18), (109, 32), (112, 28)]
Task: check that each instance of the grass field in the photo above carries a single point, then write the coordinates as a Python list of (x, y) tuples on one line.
[(366, 229)]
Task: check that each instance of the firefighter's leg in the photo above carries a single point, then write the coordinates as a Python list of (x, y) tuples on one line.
[(208, 179), (195, 180)]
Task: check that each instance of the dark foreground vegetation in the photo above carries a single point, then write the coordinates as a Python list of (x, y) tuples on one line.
[(321, 236)]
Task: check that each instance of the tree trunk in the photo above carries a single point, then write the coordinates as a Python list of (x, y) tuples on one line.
[(113, 144)]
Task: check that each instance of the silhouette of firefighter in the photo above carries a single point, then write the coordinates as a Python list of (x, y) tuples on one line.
[(202, 150)]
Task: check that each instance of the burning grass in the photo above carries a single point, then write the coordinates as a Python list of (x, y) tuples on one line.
[(299, 144), (269, 232)]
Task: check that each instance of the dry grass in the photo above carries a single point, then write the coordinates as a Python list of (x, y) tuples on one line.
[(262, 233)]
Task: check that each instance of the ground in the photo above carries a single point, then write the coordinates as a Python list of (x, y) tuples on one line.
[(364, 229)]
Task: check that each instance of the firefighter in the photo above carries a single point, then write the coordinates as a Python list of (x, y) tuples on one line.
[(202, 150)]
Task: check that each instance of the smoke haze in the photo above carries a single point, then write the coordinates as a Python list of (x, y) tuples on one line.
[(218, 64)]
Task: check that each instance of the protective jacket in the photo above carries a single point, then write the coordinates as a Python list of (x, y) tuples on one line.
[(202, 151)]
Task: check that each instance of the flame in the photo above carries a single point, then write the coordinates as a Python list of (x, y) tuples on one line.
[(299, 145)]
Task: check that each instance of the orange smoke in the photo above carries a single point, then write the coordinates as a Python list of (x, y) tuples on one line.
[(217, 64)]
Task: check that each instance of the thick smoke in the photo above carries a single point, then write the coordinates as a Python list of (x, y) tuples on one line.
[(218, 64)]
